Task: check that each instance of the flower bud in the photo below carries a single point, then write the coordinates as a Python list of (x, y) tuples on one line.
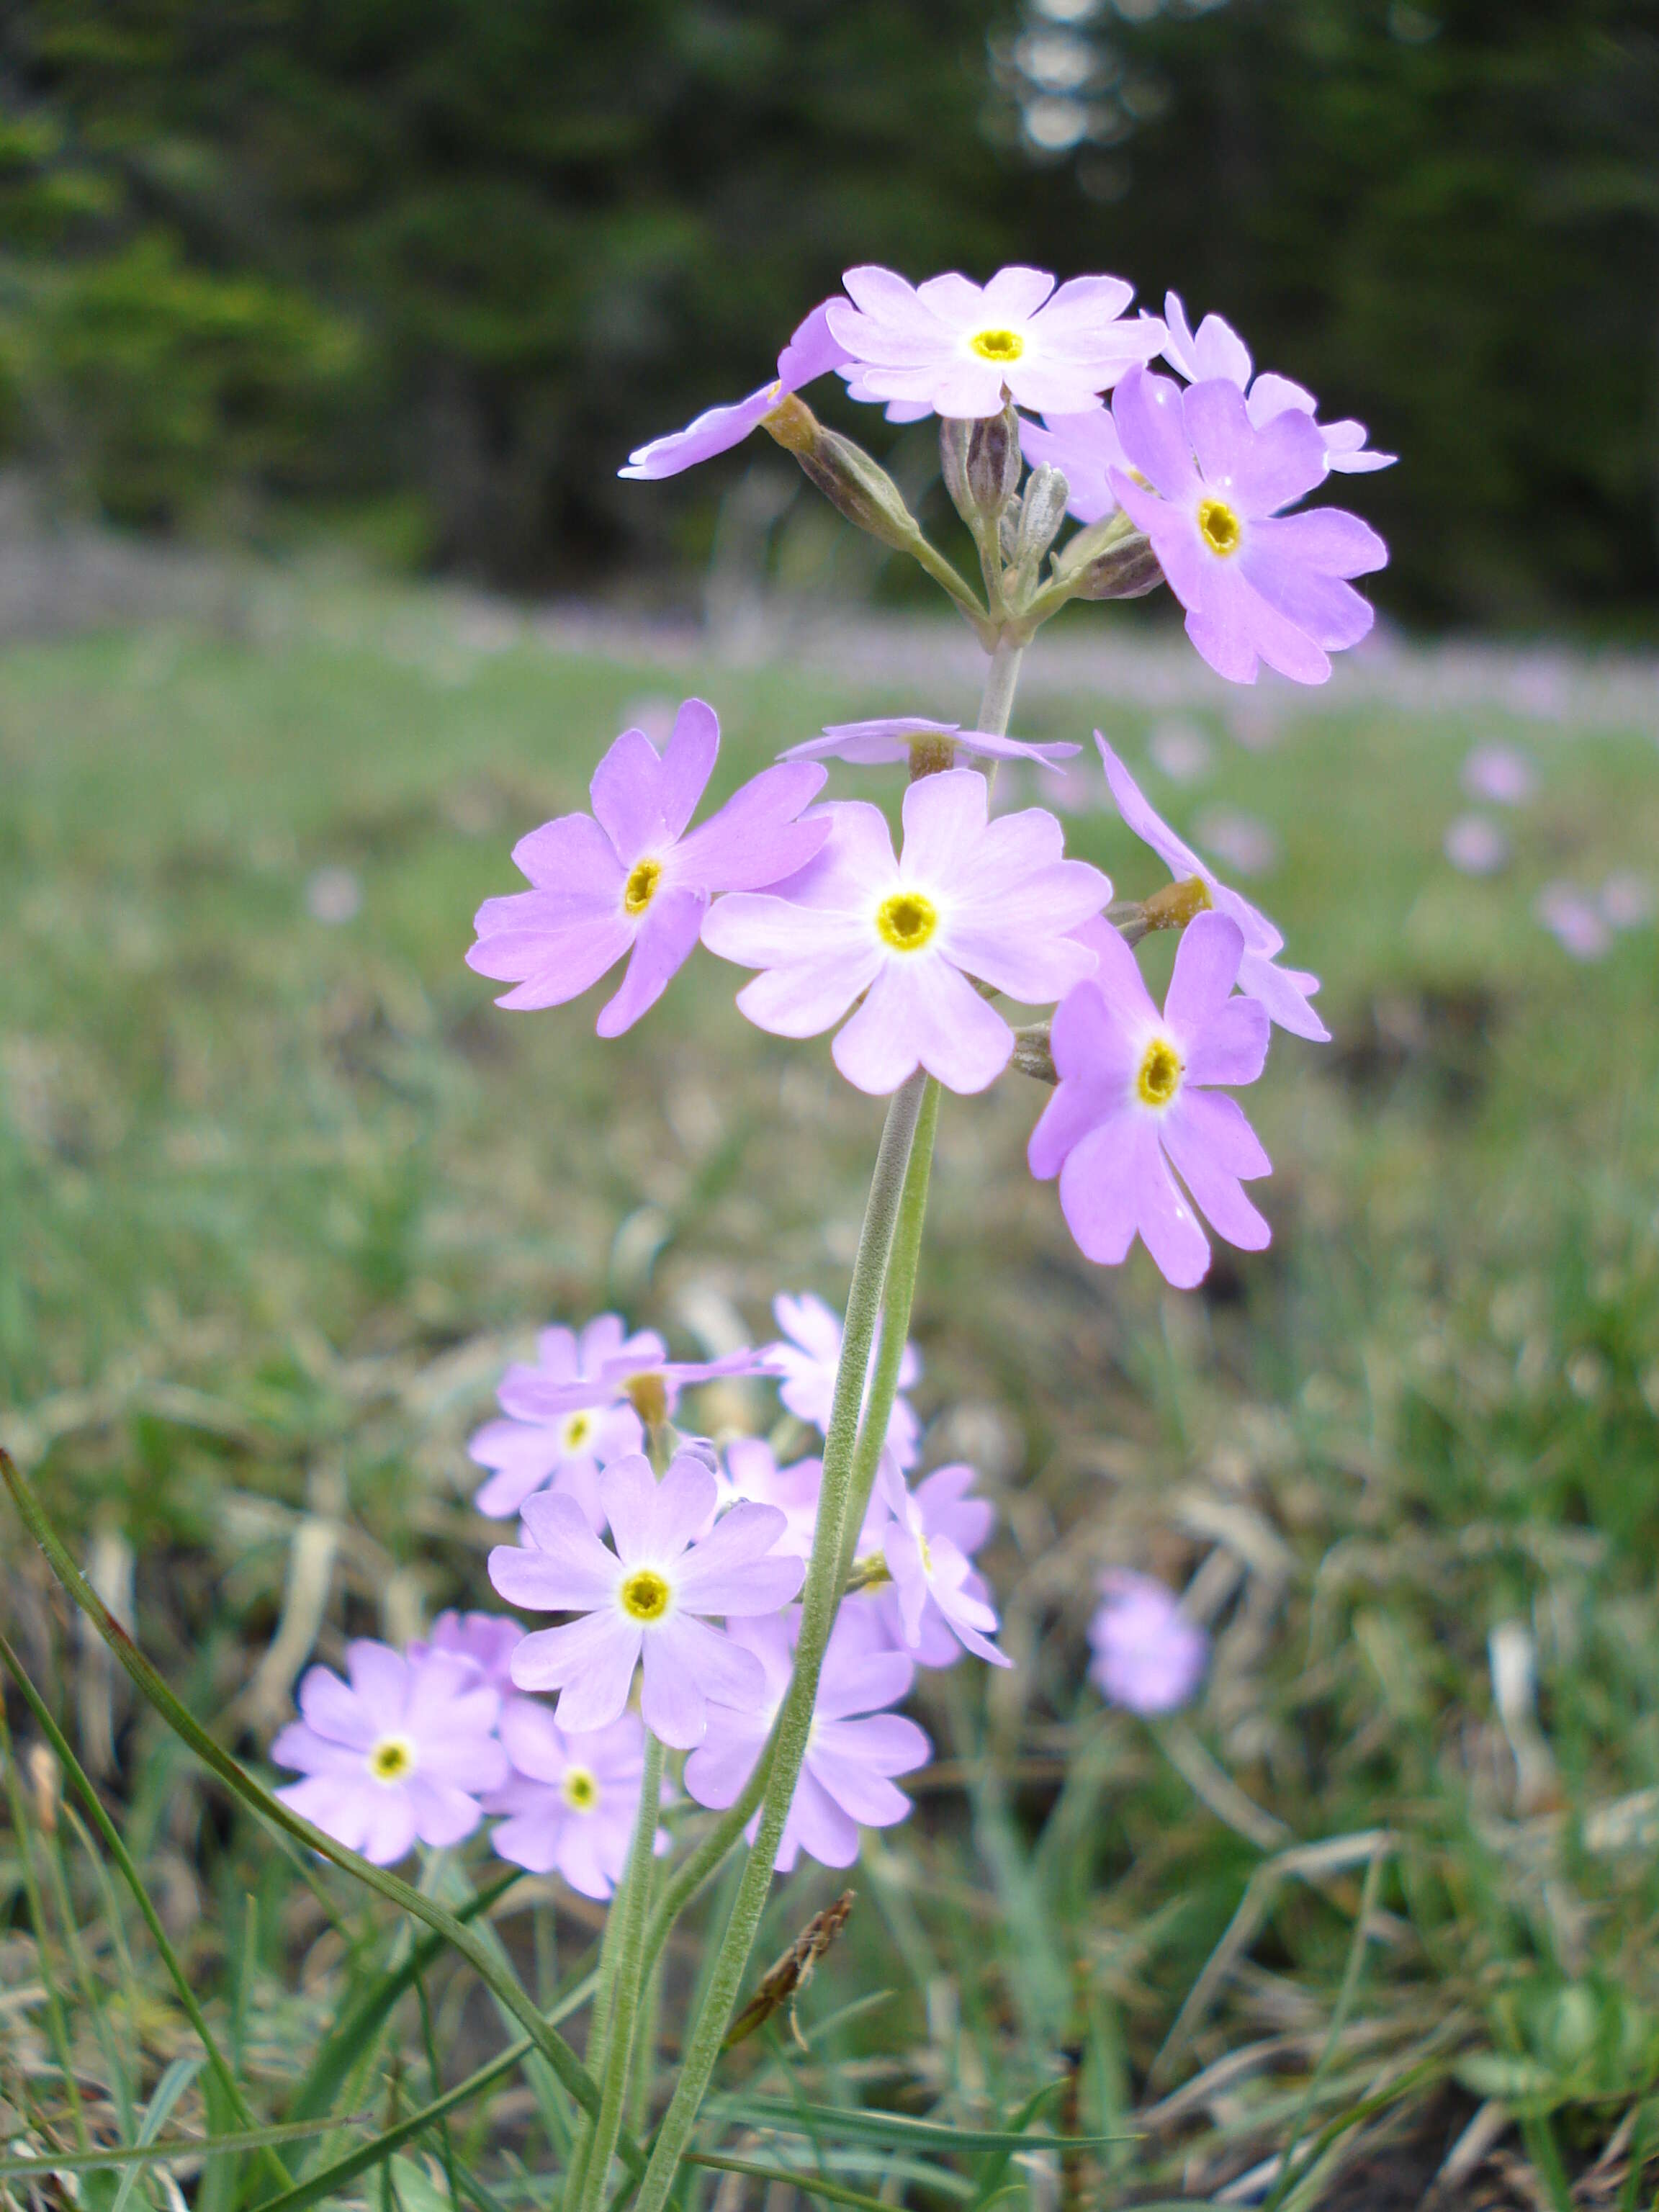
[(1177, 903), (982, 462), (858, 487), (1033, 1056), (1042, 511), (1127, 571)]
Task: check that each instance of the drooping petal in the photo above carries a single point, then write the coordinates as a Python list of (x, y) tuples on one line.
[(666, 939), (1215, 1186), (1168, 1225), (1098, 1192)]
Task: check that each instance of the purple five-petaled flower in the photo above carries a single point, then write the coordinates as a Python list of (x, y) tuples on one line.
[(1135, 1102), (1257, 584), (855, 1748), (1217, 350), (1149, 1655), (565, 1449), (571, 1798), (925, 1545), (812, 353), (403, 1750), (807, 1359), (994, 900), (649, 1599), (954, 348), (631, 878), (1285, 992)]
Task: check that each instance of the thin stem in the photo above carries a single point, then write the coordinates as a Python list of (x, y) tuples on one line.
[(57, 2024), (625, 1997), (820, 1597), (997, 700), (686, 1880)]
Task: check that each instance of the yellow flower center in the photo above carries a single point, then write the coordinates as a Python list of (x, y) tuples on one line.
[(391, 1758), (581, 1791), (1218, 527), (645, 1596), (1160, 1073), (927, 1551), (998, 345), (906, 921), (577, 1431), (642, 885)]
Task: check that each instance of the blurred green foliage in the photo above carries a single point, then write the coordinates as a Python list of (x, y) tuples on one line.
[(472, 254)]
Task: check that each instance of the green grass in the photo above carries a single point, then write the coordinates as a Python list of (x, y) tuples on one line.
[(280, 1198)]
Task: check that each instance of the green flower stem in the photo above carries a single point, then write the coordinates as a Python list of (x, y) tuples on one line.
[(477, 1953), (705, 1860), (58, 2027), (997, 700), (820, 1598), (630, 1909), (902, 1266)]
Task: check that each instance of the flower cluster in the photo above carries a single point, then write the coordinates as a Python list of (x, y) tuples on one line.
[(1205, 468)]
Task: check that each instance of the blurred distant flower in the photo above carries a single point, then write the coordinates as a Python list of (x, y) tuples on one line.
[(1476, 845), (1285, 992), (903, 737), (566, 1450), (648, 1600), (1217, 350), (403, 1750), (937, 1521), (934, 1585), (1246, 844), (1135, 1101), (334, 895), (1574, 920), (1149, 1657), (630, 879), (751, 1474), (1182, 751), (486, 1639), (950, 347), (855, 1748), (1257, 585), (1085, 448), (806, 1361), (571, 1799), (1627, 900), (1500, 774), (812, 353), (991, 899)]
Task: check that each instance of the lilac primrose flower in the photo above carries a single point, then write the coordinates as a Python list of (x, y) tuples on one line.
[(405, 1749), (854, 1748), (935, 1585), (994, 900), (1149, 1655), (1257, 585), (1218, 350), (1135, 1101), (566, 1450), (957, 349), (807, 1364), (486, 1640), (631, 878), (900, 737), (812, 353), (751, 1475), (639, 1375), (1285, 992), (942, 1512), (648, 1598), (571, 1798), (1085, 448)]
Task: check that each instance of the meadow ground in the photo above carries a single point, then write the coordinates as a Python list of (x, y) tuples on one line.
[(282, 1191)]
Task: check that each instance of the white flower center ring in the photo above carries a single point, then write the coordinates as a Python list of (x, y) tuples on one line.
[(391, 1758)]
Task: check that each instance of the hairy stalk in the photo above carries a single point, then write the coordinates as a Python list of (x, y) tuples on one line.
[(630, 1909), (686, 1880), (484, 1963), (820, 1597)]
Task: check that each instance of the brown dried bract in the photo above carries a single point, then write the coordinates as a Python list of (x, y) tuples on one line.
[(783, 1981)]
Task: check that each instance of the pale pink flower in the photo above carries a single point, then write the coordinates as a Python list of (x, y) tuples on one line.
[(1150, 1656), (933, 1580), (566, 1450), (571, 1798), (807, 1361)]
